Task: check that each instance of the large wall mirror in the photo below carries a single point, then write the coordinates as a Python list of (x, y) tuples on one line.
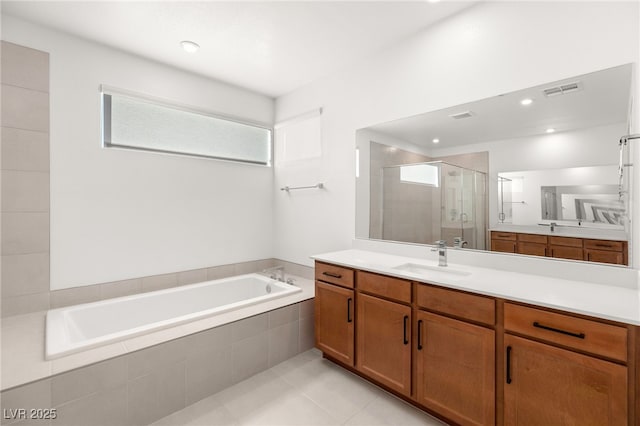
[(538, 168)]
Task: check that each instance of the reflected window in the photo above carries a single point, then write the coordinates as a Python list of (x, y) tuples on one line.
[(425, 174)]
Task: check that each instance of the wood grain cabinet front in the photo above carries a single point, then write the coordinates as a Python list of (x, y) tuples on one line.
[(479, 360), (384, 342), (455, 369), (546, 385), (334, 322)]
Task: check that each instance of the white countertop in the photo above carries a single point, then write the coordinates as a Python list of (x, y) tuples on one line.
[(23, 339), (597, 300), (565, 231)]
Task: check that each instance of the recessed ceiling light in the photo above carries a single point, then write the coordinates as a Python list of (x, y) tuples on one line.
[(526, 101), (433, 1), (436, 140), (189, 46), (550, 130)]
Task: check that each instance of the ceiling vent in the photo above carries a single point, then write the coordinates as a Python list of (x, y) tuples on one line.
[(461, 115), (563, 89)]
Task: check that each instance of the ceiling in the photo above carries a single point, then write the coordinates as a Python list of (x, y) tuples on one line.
[(603, 98), (272, 47)]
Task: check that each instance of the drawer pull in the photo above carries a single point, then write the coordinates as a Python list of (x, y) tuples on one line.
[(557, 330), (405, 319), (349, 301), (508, 365), (419, 335), (332, 274), (604, 245)]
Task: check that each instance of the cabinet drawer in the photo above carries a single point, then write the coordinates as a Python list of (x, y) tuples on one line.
[(532, 238), (504, 246), (380, 285), (533, 249), (496, 235), (334, 274), (582, 334), (603, 245), (566, 241), (463, 305), (604, 256), (565, 252)]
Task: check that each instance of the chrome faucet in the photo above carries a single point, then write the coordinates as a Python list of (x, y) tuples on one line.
[(442, 252), (552, 226), (275, 273)]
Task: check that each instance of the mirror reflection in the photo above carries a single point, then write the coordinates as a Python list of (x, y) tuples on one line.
[(542, 164)]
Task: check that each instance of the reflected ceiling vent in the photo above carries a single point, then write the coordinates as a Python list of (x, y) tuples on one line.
[(563, 89), (461, 115)]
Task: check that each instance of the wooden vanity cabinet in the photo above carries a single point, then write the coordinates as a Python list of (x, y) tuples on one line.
[(532, 244), (439, 349), (335, 312), (504, 242), (547, 384), (566, 248)]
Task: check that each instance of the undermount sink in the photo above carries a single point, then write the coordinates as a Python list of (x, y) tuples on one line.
[(432, 271)]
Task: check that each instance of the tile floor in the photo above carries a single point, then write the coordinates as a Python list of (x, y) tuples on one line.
[(304, 390)]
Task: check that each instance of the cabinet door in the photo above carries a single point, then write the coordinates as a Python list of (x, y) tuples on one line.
[(384, 342), (503, 246), (334, 314), (546, 386), (604, 256), (455, 369), (533, 249), (565, 252)]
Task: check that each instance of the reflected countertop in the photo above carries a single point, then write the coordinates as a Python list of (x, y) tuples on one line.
[(565, 231)]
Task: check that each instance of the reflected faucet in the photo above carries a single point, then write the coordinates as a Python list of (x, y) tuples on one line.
[(275, 273), (442, 252), (458, 242)]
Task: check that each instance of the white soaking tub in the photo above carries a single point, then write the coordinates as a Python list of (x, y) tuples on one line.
[(79, 327)]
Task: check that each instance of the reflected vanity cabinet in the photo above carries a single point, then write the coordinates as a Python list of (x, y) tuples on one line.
[(591, 250), (477, 360)]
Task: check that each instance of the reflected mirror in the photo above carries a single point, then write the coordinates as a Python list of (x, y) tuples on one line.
[(487, 175)]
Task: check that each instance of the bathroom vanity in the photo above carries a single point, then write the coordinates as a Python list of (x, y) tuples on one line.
[(465, 348)]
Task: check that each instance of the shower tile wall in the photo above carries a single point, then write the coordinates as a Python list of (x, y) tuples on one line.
[(384, 156), (25, 179), (143, 386)]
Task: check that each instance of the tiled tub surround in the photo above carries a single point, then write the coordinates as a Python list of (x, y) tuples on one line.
[(23, 338), (25, 179), (77, 328), (22, 278), (143, 386)]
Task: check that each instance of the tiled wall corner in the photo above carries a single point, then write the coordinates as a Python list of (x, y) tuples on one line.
[(144, 386), (25, 179)]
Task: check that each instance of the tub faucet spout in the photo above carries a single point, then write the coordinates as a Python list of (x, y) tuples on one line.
[(275, 273)]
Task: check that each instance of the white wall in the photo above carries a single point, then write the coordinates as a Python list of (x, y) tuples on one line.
[(119, 214), (486, 50)]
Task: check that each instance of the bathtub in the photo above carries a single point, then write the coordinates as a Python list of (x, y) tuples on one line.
[(79, 327)]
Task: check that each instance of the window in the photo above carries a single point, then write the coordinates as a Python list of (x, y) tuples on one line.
[(142, 123)]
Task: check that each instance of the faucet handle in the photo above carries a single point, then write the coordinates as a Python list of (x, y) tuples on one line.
[(441, 243)]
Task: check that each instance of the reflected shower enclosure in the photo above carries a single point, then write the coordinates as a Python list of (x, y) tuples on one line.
[(430, 201)]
